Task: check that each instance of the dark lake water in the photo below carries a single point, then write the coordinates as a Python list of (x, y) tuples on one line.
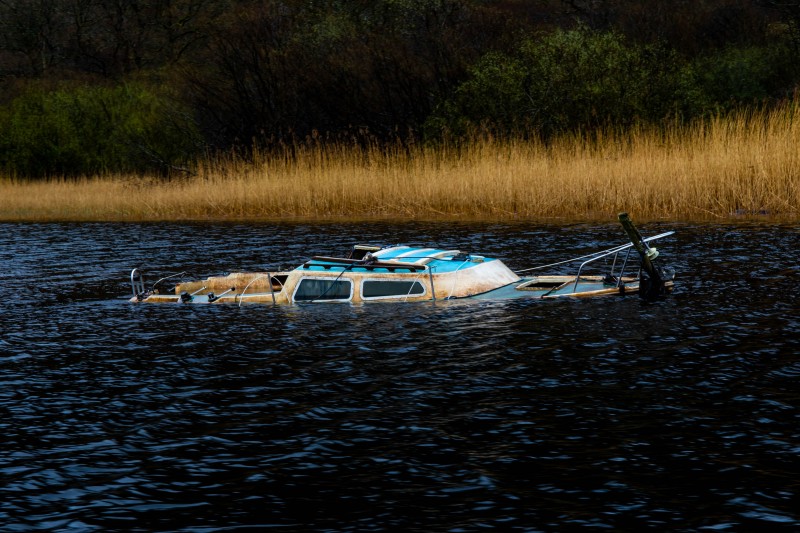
[(682, 415)]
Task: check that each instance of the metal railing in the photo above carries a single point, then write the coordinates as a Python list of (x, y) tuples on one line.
[(615, 252), (137, 282)]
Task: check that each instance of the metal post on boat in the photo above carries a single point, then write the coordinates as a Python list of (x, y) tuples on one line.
[(185, 297), (622, 268), (655, 284), (213, 298), (430, 275), (271, 290)]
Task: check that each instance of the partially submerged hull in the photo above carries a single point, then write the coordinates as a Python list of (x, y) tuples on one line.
[(390, 274), (409, 274)]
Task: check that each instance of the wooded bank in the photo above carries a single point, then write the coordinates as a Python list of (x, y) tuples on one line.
[(137, 87)]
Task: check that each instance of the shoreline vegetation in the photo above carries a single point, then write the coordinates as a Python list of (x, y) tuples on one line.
[(746, 164)]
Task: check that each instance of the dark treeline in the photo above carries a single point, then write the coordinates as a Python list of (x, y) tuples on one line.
[(92, 86)]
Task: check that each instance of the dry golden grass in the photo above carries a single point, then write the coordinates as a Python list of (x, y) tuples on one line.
[(745, 164)]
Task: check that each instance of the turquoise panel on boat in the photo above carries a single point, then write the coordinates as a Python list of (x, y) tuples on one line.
[(411, 254), (401, 254), (451, 265)]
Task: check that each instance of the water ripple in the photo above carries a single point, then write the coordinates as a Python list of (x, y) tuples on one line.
[(680, 414)]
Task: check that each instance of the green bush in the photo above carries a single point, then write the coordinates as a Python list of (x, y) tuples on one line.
[(93, 130), (567, 81), (561, 82), (736, 76)]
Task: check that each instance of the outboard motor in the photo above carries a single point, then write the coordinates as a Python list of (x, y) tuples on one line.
[(654, 277)]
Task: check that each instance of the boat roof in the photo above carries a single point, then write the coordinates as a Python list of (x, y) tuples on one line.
[(401, 259)]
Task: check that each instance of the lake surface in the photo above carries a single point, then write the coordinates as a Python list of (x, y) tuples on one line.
[(683, 414)]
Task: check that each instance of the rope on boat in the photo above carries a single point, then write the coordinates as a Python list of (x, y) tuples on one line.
[(413, 282), (594, 254), (455, 278), (168, 277), (268, 275), (619, 248), (337, 278)]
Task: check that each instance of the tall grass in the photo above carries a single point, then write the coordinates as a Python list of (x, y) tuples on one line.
[(744, 164)]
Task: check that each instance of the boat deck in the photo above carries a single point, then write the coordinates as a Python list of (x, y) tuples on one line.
[(548, 287)]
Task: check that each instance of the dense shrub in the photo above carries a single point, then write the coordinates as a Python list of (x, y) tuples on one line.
[(737, 76), (561, 82), (93, 130), (581, 79)]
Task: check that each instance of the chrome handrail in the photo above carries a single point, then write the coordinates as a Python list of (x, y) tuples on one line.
[(578, 277), (615, 251), (137, 283)]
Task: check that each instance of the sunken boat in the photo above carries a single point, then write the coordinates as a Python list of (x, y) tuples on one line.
[(405, 273)]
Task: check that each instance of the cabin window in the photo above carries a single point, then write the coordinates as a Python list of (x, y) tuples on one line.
[(391, 288), (323, 290)]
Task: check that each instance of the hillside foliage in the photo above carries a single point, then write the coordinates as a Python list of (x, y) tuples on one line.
[(90, 87)]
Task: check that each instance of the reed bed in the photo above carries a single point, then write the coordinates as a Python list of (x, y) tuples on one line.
[(747, 164)]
